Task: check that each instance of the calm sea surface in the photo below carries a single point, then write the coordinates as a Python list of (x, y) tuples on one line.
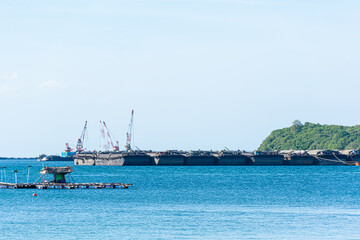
[(243, 202)]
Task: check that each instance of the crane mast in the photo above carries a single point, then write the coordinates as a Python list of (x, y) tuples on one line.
[(80, 143), (129, 132)]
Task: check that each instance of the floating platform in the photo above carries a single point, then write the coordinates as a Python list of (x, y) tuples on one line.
[(64, 185), (59, 181)]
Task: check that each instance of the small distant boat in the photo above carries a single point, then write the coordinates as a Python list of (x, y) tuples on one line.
[(59, 181), (67, 155), (45, 158)]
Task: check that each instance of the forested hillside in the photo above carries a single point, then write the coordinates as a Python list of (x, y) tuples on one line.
[(311, 136)]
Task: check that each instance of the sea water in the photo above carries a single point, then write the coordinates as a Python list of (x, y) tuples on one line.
[(186, 202)]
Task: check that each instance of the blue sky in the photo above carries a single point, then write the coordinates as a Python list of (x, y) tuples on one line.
[(199, 74)]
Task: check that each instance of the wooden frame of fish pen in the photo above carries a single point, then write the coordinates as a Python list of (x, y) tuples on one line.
[(59, 181)]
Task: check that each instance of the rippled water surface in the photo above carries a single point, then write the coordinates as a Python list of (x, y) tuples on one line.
[(186, 202)]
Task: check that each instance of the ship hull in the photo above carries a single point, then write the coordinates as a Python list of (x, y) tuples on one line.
[(267, 160), (330, 159), (84, 161), (138, 160), (353, 158), (109, 162), (300, 160), (98, 159), (232, 160), (54, 158), (170, 160), (200, 160), (113, 159)]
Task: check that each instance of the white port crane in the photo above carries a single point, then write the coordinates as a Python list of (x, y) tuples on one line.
[(80, 143)]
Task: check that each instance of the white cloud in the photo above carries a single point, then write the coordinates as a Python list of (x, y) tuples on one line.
[(12, 87), (9, 85), (52, 85), (9, 77)]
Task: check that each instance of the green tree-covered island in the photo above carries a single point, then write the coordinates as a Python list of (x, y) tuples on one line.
[(310, 136)]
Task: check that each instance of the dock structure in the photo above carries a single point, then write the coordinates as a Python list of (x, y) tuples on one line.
[(168, 158), (58, 172), (200, 158), (231, 158), (266, 158), (59, 181), (213, 158), (64, 185), (299, 157)]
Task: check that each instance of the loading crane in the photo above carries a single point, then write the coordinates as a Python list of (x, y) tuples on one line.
[(106, 142), (129, 132), (114, 147), (80, 143), (68, 148)]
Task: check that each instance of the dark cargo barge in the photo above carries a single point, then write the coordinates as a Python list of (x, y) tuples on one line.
[(200, 158), (54, 158), (232, 158), (266, 158), (169, 158), (329, 157), (299, 157), (136, 158), (224, 158), (114, 158)]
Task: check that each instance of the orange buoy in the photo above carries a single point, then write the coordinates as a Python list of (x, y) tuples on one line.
[(35, 195), (357, 163)]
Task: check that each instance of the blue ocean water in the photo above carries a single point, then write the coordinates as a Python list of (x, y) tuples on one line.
[(186, 202)]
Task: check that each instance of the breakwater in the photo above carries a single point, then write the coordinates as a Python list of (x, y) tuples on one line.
[(222, 158)]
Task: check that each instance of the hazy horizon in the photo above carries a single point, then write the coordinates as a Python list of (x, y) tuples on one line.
[(199, 74)]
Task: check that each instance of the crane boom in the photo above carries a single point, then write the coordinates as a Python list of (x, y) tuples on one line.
[(80, 143), (106, 142), (108, 135), (114, 147), (129, 132)]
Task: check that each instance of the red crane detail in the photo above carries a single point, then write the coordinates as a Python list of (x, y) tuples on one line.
[(68, 148), (80, 143), (114, 147), (106, 142)]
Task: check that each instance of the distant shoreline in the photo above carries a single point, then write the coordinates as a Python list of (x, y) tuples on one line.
[(17, 158)]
